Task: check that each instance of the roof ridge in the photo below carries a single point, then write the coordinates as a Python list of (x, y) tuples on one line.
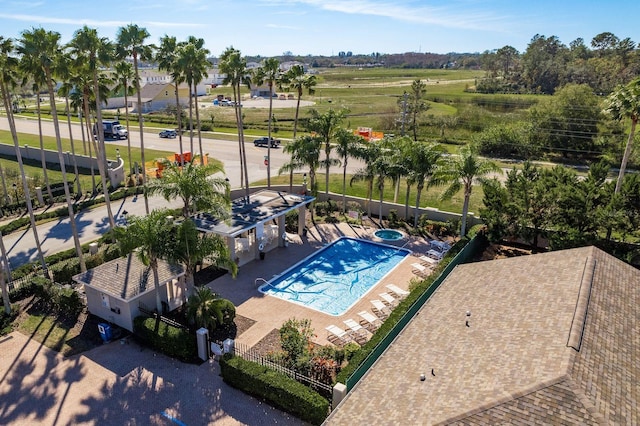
[(578, 322)]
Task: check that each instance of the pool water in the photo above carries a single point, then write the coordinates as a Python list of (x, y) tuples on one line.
[(337, 276), (389, 234)]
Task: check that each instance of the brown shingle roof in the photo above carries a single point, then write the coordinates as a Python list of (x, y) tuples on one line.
[(127, 277), (517, 360)]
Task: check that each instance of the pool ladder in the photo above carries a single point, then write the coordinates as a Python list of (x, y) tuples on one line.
[(258, 280)]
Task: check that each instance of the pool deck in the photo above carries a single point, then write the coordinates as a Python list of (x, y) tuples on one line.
[(269, 313)]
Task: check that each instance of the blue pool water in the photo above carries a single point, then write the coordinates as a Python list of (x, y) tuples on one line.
[(335, 277)]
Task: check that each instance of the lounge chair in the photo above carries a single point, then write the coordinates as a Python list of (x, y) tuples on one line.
[(437, 255), (380, 309), (370, 321), (337, 336), (401, 293), (420, 270), (358, 332), (428, 261), (388, 299)]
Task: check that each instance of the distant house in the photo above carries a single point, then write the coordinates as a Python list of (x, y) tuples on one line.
[(157, 96), (117, 290)]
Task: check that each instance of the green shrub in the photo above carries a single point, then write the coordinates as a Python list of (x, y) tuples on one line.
[(171, 341), (63, 271), (278, 389)]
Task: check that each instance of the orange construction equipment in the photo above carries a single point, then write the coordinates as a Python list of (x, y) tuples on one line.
[(368, 134), (186, 155)]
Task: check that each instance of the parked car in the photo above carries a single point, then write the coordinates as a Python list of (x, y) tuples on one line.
[(264, 141), (168, 133)]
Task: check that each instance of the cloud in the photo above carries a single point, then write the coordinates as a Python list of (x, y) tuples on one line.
[(455, 15), (91, 22)]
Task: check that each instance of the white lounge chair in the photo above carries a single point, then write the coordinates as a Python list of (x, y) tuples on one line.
[(401, 293), (428, 261), (380, 309), (358, 332), (370, 321), (420, 270), (437, 255), (388, 299), (337, 335)]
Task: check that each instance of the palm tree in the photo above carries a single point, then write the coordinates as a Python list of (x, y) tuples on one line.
[(347, 144), (305, 152), (193, 62), (167, 59), (325, 126), (207, 309), (234, 66), (423, 161), (130, 40), (124, 76), (8, 75), (369, 153), (66, 88), (461, 172), (623, 103), (144, 235), (296, 79), (93, 51), (43, 47), (196, 186), (268, 73), (192, 247)]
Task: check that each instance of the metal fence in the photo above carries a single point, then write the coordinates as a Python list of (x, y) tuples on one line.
[(247, 353)]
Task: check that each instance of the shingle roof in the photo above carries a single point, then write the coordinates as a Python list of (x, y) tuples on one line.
[(127, 277), (553, 338)]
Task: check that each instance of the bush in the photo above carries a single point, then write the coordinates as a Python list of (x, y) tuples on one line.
[(278, 389), (63, 271), (171, 341)]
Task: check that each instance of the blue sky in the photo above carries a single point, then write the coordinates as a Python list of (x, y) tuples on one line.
[(326, 27)]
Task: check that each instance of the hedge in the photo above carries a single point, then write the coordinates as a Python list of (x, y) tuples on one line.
[(280, 390), (169, 340)]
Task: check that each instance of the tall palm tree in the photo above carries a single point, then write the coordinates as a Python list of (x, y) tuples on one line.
[(424, 158), (370, 154), (296, 79), (196, 185), (269, 72), (621, 104), (43, 160), (124, 77), (143, 235), (66, 88), (347, 144), (325, 126), (95, 52), (234, 67), (167, 59), (305, 152), (192, 247), (8, 76), (131, 43), (193, 62), (461, 172), (43, 48)]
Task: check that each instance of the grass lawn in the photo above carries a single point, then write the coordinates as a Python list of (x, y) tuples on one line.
[(67, 336)]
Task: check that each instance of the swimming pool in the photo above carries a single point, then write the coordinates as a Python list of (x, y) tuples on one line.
[(334, 278)]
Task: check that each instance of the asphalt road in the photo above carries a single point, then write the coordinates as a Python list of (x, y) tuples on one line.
[(56, 236)]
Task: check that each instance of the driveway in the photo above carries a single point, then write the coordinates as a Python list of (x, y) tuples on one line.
[(118, 384)]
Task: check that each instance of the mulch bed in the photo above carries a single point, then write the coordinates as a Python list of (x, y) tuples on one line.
[(240, 325), (269, 343)]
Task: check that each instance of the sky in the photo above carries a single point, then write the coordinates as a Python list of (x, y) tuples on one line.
[(327, 27)]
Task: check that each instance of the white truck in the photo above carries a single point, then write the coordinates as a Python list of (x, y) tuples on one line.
[(112, 130)]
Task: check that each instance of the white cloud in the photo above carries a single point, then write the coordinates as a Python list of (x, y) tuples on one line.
[(91, 22)]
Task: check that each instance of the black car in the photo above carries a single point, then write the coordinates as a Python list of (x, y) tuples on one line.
[(265, 141), (168, 133)]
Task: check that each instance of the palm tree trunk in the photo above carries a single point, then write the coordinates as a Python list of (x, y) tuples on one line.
[(73, 148), (179, 123), (269, 135), (87, 121), (191, 119), (235, 110), (295, 120), (344, 186), (25, 185), (381, 189), (63, 170), (156, 285), (5, 293), (43, 160), (465, 210), (415, 214), (126, 117), (406, 202), (625, 157), (141, 126), (101, 154), (195, 91)]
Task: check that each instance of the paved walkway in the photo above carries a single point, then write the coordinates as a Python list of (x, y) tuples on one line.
[(118, 384)]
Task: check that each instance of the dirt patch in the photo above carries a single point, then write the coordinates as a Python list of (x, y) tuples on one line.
[(500, 251), (269, 343), (240, 325)]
